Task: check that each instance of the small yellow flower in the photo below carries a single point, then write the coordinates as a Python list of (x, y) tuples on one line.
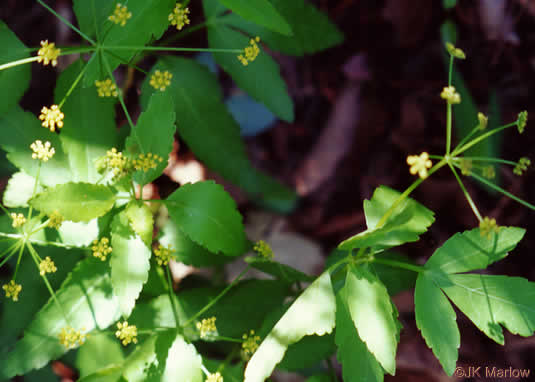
[(55, 220), (126, 333), (263, 250), (145, 162), (215, 377), (47, 266), (455, 52), (52, 117), (106, 88), (163, 255), (120, 15), (48, 53), (116, 162), (450, 94), (466, 166), (250, 52), (249, 345), (179, 17), (522, 166), (483, 121), (101, 249), (207, 327), (487, 226), (522, 121), (18, 220), (160, 80), (42, 152), (489, 172), (12, 290), (70, 337), (419, 164)]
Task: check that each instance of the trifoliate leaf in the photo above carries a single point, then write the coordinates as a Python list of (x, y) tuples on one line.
[(311, 313), (129, 263), (75, 201), (208, 215), (436, 319), (469, 250)]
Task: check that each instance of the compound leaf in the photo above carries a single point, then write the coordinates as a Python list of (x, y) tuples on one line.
[(311, 313), (208, 215), (19, 190), (75, 201)]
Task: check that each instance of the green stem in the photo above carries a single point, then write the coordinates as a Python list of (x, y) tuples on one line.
[(461, 149), (170, 49), (466, 194), (215, 300), (172, 299), (450, 70), (73, 86), (18, 62), (35, 188), (21, 250), (490, 160), (448, 128), (399, 264), (66, 22), (11, 250), (185, 32)]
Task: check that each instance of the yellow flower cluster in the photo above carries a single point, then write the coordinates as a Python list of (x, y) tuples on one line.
[(489, 172), (145, 162), (179, 17), (47, 266), (263, 250), (163, 255), (48, 54), (70, 337), (215, 377), (249, 345), (487, 226), (41, 151), (450, 95), (126, 333), (52, 117), (455, 52), (55, 220), (101, 249), (250, 52), (18, 220), (120, 15), (419, 164), (106, 88), (207, 327), (522, 121), (522, 166), (12, 290), (160, 80), (483, 121)]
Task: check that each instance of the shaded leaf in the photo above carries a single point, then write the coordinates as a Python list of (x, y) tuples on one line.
[(208, 215), (261, 12), (308, 352), (101, 351), (395, 279), (141, 220), (311, 313), (75, 201), (281, 271)]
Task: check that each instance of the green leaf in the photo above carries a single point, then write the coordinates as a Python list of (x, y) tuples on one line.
[(79, 234), (308, 353), (311, 313), (19, 190), (407, 222), (18, 130), (183, 363), (75, 201), (436, 319), (87, 287), (469, 250), (208, 215), (13, 81), (261, 78), (371, 310), (491, 301), (312, 29), (89, 125), (148, 21), (187, 251), (100, 351), (448, 4), (107, 374), (211, 132), (358, 364), (141, 220), (281, 271), (261, 12), (129, 263), (395, 279), (153, 133)]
